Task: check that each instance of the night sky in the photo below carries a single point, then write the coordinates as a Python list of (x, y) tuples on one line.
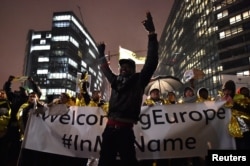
[(115, 22)]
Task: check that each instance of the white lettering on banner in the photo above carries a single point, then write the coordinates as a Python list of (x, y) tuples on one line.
[(181, 130)]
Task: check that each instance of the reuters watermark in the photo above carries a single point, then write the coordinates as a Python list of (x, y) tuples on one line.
[(228, 157)]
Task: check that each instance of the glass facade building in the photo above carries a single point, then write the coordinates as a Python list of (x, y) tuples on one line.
[(56, 58), (210, 35)]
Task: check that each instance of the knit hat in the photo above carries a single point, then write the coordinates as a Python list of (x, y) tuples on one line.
[(130, 62)]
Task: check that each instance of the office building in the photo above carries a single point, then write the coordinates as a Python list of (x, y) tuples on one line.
[(57, 57), (209, 35)]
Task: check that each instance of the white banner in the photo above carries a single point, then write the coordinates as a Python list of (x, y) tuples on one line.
[(171, 131), (127, 54)]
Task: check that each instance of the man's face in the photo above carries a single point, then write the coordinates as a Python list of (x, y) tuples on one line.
[(155, 94), (126, 70)]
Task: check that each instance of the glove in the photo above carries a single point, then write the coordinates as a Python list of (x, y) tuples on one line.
[(148, 23), (101, 49)]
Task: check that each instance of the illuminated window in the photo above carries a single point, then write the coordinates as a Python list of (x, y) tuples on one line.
[(72, 40), (73, 63), (61, 24), (222, 14), (214, 79), (92, 54), (41, 47), (235, 19), (60, 38), (42, 41), (43, 59), (66, 38), (246, 14), (48, 35), (57, 75), (61, 17), (42, 71), (92, 71), (222, 35), (230, 32), (36, 36)]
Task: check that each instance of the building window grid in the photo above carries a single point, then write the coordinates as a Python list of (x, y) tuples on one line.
[(222, 14), (246, 14), (230, 32), (235, 19), (223, 4), (208, 32)]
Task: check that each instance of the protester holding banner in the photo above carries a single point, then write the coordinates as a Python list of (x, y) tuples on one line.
[(125, 101), (64, 98), (171, 98), (244, 91), (95, 100), (189, 95), (33, 103), (80, 99), (228, 92), (17, 98), (239, 126), (154, 98), (203, 95)]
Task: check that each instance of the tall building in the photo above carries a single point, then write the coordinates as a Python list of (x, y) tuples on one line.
[(209, 35), (56, 58)]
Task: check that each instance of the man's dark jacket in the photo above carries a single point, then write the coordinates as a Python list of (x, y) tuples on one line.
[(127, 93)]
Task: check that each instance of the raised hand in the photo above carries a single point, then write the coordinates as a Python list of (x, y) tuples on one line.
[(101, 49), (148, 23)]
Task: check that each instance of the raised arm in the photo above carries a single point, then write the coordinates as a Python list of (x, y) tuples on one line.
[(104, 63), (152, 52)]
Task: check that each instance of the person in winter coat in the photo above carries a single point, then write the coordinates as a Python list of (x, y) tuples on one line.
[(189, 95), (34, 104), (16, 99), (154, 98), (5, 111), (125, 101)]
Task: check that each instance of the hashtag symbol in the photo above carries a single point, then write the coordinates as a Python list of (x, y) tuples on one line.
[(67, 141)]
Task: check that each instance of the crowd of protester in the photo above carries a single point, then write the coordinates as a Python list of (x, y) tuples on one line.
[(15, 107), (123, 109)]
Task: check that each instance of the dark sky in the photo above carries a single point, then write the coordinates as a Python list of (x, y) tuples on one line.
[(115, 22)]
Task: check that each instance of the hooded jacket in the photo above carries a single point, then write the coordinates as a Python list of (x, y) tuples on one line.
[(127, 93)]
